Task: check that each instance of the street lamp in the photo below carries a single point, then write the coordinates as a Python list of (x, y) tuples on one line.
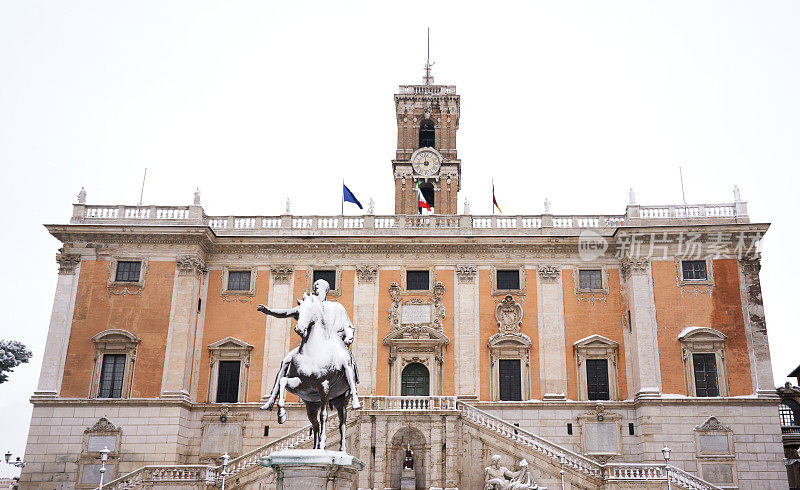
[(665, 451), (18, 462), (225, 460), (103, 458), (561, 460)]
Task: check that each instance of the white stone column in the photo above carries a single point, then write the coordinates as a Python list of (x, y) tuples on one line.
[(467, 332), (638, 291), (55, 350), (365, 320), (177, 378), (756, 326), (552, 350), (276, 339)]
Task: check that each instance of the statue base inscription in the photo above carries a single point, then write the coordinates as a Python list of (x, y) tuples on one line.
[(313, 469)]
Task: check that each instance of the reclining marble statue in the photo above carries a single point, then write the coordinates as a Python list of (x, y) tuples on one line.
[(498, 477), (321, 370)]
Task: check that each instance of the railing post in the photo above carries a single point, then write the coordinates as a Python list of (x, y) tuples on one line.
[(78, 213), (286, 221), (196, 214)]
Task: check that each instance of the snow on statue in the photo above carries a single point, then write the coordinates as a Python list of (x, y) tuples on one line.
[(321, 370)]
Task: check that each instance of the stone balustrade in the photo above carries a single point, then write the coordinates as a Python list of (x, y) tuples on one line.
[(427, 90), (435, 224)]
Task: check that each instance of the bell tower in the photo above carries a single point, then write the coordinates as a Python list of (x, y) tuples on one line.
[(427, 121)]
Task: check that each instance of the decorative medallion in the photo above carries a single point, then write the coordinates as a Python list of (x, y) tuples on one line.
[(508, 314)]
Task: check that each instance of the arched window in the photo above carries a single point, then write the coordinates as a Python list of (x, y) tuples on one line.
[(428, 194), (789, 413), (427, 134), (415, 380)]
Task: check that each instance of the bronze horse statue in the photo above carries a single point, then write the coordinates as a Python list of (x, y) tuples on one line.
[(321, 370)]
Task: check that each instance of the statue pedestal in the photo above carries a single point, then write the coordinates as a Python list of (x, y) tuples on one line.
[(313, 469), (408, 480)]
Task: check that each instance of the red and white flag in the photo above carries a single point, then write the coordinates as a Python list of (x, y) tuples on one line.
[(421, 202)]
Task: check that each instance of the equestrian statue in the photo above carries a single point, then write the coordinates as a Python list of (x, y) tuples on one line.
[(321, 370)]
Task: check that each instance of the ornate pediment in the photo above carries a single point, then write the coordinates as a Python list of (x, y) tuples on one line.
[(509, 340), (230, 343), (416, 333), (102, 425), (595, 341), (508, 314), (712, 424)]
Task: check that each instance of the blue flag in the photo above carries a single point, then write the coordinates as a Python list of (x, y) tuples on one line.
[(348, 196)]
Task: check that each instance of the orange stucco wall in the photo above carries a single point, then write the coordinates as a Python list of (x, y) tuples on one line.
[(234, 319), (488, 327), (720, 310), (145, 315), (582, 319)]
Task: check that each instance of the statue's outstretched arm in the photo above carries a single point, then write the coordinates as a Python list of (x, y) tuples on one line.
[(278, 313)]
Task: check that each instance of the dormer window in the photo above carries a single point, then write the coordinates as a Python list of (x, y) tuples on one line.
[(427, 134)]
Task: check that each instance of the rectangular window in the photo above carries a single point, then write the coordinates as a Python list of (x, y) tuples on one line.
[(239, 281), (328, 275), (508, 279), (597, 379), (694, 270), (112, 373), (705, 374), (590, 279), (510, 380), (128, 271), (417, 280), (228, 382)]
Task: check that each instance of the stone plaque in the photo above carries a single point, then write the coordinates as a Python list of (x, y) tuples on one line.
[(720, 473), (713, 443), (91, 474), (416, 314), (219, 438), (95, 444), (602, 437)]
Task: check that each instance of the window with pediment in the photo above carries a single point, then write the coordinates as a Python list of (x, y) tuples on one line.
[(703, 352), (114, 360), (596, 360), (229, 371), (509, 354)]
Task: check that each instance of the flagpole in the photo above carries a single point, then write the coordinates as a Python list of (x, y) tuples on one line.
[(493, 196), (342, 197)]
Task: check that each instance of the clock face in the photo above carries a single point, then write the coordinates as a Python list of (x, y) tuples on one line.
[(426, 162)]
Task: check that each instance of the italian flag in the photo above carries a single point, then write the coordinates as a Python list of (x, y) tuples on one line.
[(421, 202)]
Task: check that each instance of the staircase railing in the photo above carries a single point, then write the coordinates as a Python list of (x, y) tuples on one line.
[(553, 451), (165, 474)]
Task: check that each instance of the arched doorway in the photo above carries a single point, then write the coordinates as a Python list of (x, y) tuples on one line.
[(415, 380)]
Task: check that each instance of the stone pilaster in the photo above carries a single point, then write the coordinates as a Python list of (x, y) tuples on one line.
[(55, 350), (552, 350), (276, 340), (177, 378), (638, 291), (466, 331), (756, 326), (365, 319)]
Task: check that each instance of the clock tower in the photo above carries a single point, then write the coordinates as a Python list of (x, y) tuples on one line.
[(427, 121)]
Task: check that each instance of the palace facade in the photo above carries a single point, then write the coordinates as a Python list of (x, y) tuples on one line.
[(584, 344)]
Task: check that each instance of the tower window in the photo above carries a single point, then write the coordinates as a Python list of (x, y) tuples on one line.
[(427, 134), (427, 193)]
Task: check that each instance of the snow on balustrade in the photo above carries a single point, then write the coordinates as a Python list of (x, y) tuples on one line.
[(270, 222), (101, 212), (172, 213), (561, 222), (327, 223), (385, 222), (244, 223), (217, 223), (353, 222), (302, 223), (531, 222)]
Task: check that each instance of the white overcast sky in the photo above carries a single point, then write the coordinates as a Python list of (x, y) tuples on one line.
[(256, 101)]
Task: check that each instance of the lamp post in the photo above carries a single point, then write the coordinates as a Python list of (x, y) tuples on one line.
[(561, 460), (18, 462), (103, 458), (225, 460), (665, 451)]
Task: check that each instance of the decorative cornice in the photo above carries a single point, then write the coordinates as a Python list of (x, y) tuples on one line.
[(366, 273), (466, 273), (67, 263), (549, 273), (282, 273), (190, 265)]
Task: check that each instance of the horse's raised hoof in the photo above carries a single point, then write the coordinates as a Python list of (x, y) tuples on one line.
[(356, 404), (281, 415), (269, 404)]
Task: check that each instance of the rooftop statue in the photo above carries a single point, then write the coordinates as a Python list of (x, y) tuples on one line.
[(321, 370)]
